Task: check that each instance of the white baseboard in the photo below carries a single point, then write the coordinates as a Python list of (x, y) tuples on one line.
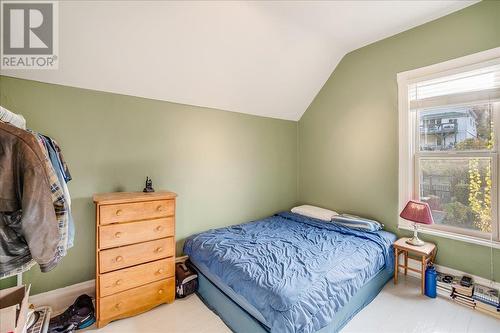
[(60, 299), (446, 270)]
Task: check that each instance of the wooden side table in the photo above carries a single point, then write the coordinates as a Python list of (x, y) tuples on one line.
[(422, 254)]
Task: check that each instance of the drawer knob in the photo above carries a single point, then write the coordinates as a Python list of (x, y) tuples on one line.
[(160, 271), (160, 291), (119, 282), (159, 228), (119, 212), (118, 234), (158, 249), (119, 259), (159, 208), (118, 305)]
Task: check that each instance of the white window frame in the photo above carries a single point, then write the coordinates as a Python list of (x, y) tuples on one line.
[(408, 146)]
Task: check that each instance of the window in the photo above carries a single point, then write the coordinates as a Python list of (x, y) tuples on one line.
[(449, 119)]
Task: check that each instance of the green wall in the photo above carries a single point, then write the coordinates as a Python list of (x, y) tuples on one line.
[(348, 137), (226, 167), (229, 168)]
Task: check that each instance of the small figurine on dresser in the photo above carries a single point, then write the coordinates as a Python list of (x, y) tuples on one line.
[(149, 186)]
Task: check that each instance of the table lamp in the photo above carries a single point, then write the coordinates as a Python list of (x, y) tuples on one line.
[(417, 212)]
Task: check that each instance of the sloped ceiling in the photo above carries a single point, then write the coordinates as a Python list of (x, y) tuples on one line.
[(267, 58)]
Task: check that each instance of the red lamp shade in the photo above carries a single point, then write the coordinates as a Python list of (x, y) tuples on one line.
[(418, 212)]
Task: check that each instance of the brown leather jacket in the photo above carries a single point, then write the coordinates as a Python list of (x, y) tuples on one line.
[(28, 225)]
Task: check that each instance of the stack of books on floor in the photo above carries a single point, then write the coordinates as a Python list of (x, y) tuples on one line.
[(445, 284), (472, 295), (487, 300), (463, 295)]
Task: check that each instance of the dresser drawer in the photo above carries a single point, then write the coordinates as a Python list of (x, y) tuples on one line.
[(127, 278), (131, 255), (119, 234), (136, 211), (136, 300)]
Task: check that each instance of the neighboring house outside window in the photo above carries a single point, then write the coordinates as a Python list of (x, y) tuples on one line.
[(448, 118), (444, 130)]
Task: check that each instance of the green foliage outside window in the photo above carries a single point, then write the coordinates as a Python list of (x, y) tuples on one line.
[(470, 188), (479, 199)]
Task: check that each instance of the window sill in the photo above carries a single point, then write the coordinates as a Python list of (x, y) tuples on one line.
[(450, 235)]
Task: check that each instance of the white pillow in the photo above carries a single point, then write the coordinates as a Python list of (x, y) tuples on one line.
[(315, 212)]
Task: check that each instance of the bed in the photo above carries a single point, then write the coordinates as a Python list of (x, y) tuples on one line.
[(290, 273)]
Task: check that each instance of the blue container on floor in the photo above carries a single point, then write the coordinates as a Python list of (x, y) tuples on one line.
[(430, 282)]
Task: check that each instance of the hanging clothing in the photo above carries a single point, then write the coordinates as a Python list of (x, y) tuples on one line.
[(29, 227), (64, 176), (56, 167), (59, 158), (60, 204), (15, 256), (11, 118)]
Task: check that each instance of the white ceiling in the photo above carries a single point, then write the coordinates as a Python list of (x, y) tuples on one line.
[(267, 58)]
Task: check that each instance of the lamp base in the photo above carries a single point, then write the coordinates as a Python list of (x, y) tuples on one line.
[(415, 241)]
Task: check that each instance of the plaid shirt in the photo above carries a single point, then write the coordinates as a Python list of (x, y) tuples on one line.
[(60, 204)]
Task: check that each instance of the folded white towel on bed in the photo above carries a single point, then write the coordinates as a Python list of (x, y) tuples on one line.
[(315, 212)]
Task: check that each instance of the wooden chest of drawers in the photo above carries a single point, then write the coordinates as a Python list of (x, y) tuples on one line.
[(135, 253)]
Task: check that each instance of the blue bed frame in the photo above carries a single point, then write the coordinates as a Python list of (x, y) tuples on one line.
[(240, 321)]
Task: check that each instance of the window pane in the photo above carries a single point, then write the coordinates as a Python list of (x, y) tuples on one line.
[(458, 191), (456, 128)]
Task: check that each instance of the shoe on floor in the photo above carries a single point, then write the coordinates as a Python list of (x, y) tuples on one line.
[(78, 316)]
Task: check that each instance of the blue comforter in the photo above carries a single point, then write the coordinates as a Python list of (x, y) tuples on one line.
[(296, 271)]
